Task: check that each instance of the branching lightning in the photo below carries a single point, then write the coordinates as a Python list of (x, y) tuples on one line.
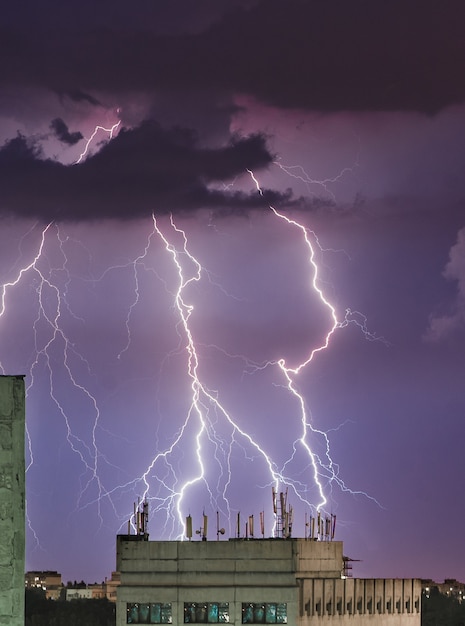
[(205, 407), (203, 443), (111, 131)]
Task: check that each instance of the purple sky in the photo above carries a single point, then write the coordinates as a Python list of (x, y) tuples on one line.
[(351, 117)]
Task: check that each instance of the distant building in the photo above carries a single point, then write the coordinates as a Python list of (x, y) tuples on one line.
[(78, 593), (82, 591), (49, 581), (450, 587), (98, 590), (298, 582), (112, 585)]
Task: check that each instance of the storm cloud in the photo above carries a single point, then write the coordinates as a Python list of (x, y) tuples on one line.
[(61, 131), (141, 170), (326, 56)]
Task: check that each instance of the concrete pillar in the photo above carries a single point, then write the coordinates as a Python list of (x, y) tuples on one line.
[(12, 500)]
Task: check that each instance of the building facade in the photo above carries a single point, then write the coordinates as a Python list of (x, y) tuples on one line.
[(79, 594), (112, 585), (451, 588), (47, 580), (12, 500), (297, 582)]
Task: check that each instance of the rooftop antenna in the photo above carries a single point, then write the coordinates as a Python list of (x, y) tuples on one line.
[(328, 527), (144, 521), (312, 531), (288, 519), (219, 531), (141, 519), (203, 529), (284, 516), (251, 526), (262, 523), (333, 525), (189, 527)]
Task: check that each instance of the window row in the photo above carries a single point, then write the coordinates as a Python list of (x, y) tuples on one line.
[(148, 613), (206, 613), (266, 613)]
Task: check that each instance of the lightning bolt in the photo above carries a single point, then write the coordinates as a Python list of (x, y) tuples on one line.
[(209, 433), (200, 424), (111, 131), (327, 466), (51, 343), (204, 406), (298, 173)]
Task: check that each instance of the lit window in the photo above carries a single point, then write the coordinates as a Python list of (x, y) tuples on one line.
[(206, 612), (264, 613), (148, 613)]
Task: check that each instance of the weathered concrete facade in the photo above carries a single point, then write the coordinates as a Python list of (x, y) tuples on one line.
[(390, 601), (12, 500), (291, 581)]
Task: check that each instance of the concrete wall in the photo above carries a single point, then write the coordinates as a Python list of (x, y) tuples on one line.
[(304, 575), (207, 571), (391, 601), (258, 561), (12, 500)]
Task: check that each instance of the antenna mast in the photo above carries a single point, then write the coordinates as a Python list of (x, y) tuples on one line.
[(284, 516)]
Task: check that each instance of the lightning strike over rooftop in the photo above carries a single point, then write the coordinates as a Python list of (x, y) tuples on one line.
[(197, 258), (210, 434)]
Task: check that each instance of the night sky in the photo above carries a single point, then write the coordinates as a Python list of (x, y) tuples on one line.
[(299, 167)]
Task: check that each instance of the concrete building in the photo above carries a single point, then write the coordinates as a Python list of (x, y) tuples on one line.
[(48, 580), (451, 588), (12, 500), (112, 586), (95, 591), (98, 590), (79, 594), (298, 582)]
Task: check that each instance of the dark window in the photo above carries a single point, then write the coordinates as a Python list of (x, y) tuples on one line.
[(206, 612), (264, 613), (148, 613)]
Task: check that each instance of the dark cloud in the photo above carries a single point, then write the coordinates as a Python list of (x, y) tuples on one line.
[(76, 95), (328, 56), (61, 131), (140, 171)]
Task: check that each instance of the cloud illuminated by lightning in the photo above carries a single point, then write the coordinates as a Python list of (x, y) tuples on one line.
[(111, 132)]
